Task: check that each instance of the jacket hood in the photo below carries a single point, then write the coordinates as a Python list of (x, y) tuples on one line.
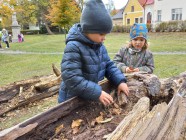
[(75, 34)]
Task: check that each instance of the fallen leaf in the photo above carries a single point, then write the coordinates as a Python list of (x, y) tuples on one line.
[(116, 111), (76, 123), (99, 119), (58, 129), (75, 130), (92, 124)]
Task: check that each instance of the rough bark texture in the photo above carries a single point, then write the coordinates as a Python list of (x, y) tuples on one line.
[(159, 120)]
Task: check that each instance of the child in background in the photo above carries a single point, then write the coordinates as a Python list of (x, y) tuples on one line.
[(19, 38), (22, 37), (85, 61), (135, 57), (5, 37)]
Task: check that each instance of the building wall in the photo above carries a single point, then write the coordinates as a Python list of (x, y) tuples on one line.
[(117, 22), (33, 27), (166, 7), (128, 14), (149, 9)]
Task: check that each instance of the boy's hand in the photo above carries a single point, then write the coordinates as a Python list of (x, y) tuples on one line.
[(105, 98), (123, 88)]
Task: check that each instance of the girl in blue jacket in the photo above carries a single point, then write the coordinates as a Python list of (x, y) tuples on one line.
[(85, 61)]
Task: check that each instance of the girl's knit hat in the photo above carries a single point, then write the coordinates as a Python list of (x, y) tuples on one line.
[(138, 30), (95, 18)]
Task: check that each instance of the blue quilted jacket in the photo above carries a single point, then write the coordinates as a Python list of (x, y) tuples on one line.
[(84, 64)]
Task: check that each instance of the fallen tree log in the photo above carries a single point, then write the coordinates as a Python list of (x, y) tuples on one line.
[(48, 117), (162, 122), (42, 86), (50, 92), (48, 124), (40, 90), (9, 91), (55, 70), (28, 91)]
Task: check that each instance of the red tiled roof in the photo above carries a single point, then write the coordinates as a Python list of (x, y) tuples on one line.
[(146, 2)]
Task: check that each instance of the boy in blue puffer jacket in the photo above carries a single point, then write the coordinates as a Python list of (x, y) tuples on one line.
[(85, 61)]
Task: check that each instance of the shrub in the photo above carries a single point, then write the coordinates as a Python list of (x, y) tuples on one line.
[(171, 26), (121, 29)]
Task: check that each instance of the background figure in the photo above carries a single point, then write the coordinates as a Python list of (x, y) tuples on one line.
[(135, 57), (10, 38), (5, 37), (19, 38), (22, 37), (0, 39)]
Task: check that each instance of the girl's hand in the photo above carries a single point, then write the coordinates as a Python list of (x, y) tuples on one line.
[(136, 70), (105, 98), (128, 70)]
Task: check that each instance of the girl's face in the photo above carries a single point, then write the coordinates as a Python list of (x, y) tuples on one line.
[(138, 42), (98, 38)]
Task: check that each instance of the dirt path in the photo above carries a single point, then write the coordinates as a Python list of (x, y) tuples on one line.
[(6, 51)]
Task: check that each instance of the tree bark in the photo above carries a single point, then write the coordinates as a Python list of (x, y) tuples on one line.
[(162, 122), (48, 117)]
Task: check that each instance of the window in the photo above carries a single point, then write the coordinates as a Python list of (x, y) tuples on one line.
[(141, 20), (159, 15), (132, 8), (128, 21), (177, 14), (136, 20)]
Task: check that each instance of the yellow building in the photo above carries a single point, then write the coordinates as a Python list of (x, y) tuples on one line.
[(133, 13)]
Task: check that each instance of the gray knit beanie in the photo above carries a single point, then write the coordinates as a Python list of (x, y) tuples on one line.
[(95, 18)]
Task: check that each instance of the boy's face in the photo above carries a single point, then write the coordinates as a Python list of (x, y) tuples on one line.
[(98, 38), (138, 42)]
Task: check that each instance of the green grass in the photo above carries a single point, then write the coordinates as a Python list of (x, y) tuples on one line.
[(169, 65), (159, 42), (172, 41), (41, 43), (19, 67), (23, 66)]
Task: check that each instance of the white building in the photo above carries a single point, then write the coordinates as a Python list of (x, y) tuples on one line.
[(157, 11)]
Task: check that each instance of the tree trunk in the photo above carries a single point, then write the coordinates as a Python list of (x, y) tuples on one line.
[(164, 121), (47, 27)]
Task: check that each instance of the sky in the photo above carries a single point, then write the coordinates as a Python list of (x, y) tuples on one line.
[(117, 3)]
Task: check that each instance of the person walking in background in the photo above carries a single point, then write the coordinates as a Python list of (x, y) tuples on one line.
[(86, 62), (5, 37), (10, 38), (22, 37), (19, 38), (135, 57)]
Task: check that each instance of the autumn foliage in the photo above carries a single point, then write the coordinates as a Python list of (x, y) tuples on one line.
[(63, 13)]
